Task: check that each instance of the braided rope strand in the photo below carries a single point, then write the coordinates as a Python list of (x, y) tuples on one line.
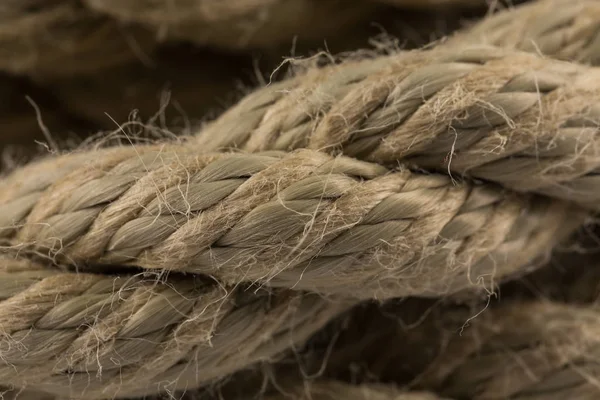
[(304, 220), (103, 336), (525, 122)]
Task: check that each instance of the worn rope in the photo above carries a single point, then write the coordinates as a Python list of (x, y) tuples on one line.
[(528, 123), (564, 29), (304, 220), (103, 336)]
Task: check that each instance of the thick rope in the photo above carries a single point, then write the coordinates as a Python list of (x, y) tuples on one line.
[(235, 24), (528, 123), (524, 349), (564, 29), (101, 336), (49, 39), (303, 220)]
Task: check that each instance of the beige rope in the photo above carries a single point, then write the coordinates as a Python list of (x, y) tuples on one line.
[(100, 336), (46, 39), (525, 122), (565, 29), (523, 349), (303, 220), (235, 24)]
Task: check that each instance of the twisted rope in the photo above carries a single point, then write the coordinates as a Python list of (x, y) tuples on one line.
[(303, 220), (528, 123), (564, 29), (101, 336)]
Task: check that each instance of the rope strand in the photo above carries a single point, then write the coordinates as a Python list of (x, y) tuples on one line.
[(304, 220), (75, 334), (525, 122)]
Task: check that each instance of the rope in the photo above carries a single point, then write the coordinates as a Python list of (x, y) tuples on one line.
[(71, 334), (527, 123), (524, 349), (304, 220), (59, 39), (564, 29), (232, 24)]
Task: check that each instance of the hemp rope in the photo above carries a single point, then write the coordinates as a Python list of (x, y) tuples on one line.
[(101, 336), (525, 122), (304, 220), (564, 29), (48, 39)]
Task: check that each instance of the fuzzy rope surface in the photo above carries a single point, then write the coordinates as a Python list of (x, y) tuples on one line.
[(303, 220), (101, 336), (525, 122)]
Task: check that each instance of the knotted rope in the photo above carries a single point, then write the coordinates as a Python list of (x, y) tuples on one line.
[(102, 336), (303, 220), (528, 123)]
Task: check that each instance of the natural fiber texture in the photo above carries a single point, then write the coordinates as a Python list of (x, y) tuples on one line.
[(331, 390), (45, 39), (101, 336), (565, 29), (525, 122), (235, 24), (303, 220)]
